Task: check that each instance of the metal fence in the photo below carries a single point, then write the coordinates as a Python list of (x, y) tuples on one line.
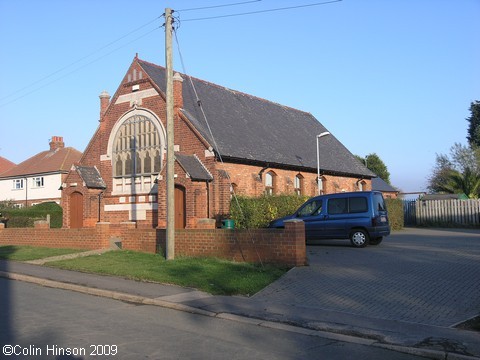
[(442, 212)]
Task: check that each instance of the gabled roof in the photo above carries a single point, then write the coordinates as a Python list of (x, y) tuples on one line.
[(91, 177), (193, 167), (5, 164), (379, 184), (250, 129), (58, 160)]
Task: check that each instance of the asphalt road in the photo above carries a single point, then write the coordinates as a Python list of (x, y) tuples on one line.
[(39, 322)]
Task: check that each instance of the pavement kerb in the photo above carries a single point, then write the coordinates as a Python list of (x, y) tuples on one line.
[(105, 293), (432, 354)]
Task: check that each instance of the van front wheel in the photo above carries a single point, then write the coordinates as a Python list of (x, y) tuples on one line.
[(359, 238)]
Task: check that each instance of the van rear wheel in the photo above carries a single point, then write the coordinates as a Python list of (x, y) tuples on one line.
[(359, 238)]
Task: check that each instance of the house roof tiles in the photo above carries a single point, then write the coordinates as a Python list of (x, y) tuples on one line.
[(57, 160), (5, 164)]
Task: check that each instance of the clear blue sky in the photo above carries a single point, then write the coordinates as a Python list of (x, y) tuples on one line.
[(392, 77)]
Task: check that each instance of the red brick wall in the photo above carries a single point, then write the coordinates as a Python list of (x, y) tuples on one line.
[(286, 247), (277, 246), (248, 181), (86, 238)]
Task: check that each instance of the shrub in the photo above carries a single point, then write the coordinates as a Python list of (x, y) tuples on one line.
[(25, 217), (395, 213), (253, 212)]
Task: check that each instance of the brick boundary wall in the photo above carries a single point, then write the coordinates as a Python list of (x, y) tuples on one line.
[(42, 236), (277, 246)]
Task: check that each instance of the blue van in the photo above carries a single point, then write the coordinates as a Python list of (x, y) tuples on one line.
[(359, 216)]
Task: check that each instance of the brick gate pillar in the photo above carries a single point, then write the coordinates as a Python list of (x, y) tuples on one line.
[(295, 230)]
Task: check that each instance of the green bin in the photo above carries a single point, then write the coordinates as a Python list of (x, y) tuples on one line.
[(228, 224)]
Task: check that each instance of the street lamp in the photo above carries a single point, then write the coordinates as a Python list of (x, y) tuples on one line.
[(318, 159)]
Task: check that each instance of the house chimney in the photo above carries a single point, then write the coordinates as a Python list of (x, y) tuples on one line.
[(177, 91), (56, 143), (104, 102)]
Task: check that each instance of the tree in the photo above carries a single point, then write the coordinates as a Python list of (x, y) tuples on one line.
[(376, 165), (457, 174), (467, 183), (473, 136)]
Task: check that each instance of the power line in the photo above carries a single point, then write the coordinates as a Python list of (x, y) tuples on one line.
[(219, 6), (75, 63), (73, 71), (263, 11)]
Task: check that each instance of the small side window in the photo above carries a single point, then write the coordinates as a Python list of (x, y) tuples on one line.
[(358, 204), (338, 206)]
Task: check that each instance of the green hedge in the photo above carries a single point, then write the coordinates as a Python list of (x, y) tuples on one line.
[(395, 213), (25, 217), (258, 212)]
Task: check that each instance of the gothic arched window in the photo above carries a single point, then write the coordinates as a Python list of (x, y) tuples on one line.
[(136, 148)]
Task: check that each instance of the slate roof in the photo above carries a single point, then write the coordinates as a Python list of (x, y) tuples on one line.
[(91, 177), (379, 184), (58, 160), (193, 167), (250, 129), (5, 164)]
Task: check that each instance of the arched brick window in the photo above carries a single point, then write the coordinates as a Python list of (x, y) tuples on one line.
[(322, 185), (136, 147), (298, 184), (361, 185), (270, 183)]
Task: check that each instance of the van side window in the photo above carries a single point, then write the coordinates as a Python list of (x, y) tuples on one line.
[(358, 204), (311, 208), (338, 206)]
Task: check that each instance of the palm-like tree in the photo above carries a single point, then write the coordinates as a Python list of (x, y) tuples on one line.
[(467, 182)]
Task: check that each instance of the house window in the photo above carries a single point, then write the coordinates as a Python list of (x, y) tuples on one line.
[(298, 185), (321, 185), (270, 183), (38, 182), (136, 148), (361, 185), (18, 184)]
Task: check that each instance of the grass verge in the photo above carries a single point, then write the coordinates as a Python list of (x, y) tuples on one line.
[(26, 253), (215, 276)]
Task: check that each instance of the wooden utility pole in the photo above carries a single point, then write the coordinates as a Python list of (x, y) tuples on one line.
[(170, 255)]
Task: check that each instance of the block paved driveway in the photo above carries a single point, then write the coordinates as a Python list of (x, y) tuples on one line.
[(423, 276)]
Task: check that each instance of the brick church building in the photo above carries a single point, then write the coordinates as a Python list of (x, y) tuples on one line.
[(248, 145)]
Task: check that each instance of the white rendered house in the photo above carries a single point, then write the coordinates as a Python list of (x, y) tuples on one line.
[(39, 178)]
